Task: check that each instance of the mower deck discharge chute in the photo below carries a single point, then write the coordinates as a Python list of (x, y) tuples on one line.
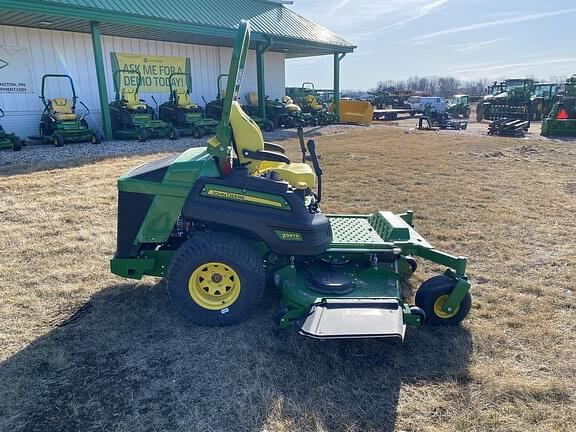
[(132, 117), (60, 123), (217, 221), (186, 117)]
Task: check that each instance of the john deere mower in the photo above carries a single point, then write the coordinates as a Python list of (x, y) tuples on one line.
[(216, 221), (132, 117), (8, 141), (60, 123), (562, 118), (186, 117), (214, 108), (314, 111)]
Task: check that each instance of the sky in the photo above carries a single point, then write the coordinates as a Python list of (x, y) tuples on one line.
[(467, 39)]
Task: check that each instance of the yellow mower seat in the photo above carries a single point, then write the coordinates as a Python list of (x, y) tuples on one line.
[(183, 99), (62, 109), (131, 100), (252, 98), (248, 136), (312, 102), (290, 105)]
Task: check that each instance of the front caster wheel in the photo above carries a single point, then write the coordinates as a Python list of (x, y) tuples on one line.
[(431, 297), (216, 279)]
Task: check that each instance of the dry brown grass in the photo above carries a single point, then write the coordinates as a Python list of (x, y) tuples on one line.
[(84, 350)]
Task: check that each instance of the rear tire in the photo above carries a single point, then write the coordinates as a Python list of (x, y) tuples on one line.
[(142, 135), (197, 132), (58, 140), (205, 273), (96, 138), (432, 294), (173, 135), (16, 144)]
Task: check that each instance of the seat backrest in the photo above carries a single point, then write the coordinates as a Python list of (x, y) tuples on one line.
[(252, 98), (247, 136), (130, 96), (61, 106), (182, 98)]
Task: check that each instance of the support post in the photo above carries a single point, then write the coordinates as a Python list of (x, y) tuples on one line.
[(101, 79), (337, 59), (260, 72)]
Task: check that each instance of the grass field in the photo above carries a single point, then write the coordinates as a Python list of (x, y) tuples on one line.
[(82, 350)]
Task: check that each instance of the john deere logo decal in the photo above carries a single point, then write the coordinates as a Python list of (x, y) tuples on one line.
[(3, 64), (289, 236)]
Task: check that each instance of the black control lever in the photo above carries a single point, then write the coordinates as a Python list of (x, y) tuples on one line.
[(314, 158), (302, 146)]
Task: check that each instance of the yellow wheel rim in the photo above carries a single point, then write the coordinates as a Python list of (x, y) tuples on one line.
[(439, 304), (214, 286)]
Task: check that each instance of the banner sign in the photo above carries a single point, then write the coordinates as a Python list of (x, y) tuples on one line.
[(154, 70), (15, 71)]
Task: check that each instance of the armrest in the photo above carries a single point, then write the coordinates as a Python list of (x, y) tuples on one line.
[(274, 147), (265, 155)]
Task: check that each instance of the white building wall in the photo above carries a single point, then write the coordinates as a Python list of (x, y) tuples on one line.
[(71, 53)]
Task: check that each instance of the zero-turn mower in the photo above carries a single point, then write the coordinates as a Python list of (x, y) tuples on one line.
[(216, 221), (186, 117), (132, 117), (60, 123), (9, 140)]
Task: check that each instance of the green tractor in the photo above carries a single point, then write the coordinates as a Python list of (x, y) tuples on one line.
[(543, 99), (60, 123), (186, 117), (9, 140), (459, 106), (561, 121), (518, 99), (483, 107), (220, 221), (132, 117)]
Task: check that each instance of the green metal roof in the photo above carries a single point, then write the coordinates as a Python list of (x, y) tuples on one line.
[(214, 20)]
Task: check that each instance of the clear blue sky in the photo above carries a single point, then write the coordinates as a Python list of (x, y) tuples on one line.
[(462, 38)]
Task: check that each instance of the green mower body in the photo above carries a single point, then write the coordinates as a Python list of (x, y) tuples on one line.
[(60, 123), (132, 117), (9, 140), (217, 228), (185, 116), (561, 121)]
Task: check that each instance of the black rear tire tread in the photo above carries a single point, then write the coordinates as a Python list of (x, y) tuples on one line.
[(234, 251)]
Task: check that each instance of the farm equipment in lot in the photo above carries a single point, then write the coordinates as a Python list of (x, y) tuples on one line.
[(314, 111), (508, 127), (459, 106), (132, 117), (354, 111), (542, 100), (9, 140), (439, 120), (186, 117), (561, 120), (484, 106), (216, 221), (60, 123)]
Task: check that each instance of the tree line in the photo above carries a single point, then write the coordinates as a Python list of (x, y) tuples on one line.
[(438, 86)]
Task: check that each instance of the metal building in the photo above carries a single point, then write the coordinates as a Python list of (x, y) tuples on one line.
[(77, 37)]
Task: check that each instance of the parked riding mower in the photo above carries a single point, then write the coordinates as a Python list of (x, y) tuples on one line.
[(186, 117), (314, 112), (278, 113), (9, 141), (132, 117), (216, 221), (439, 120), (60, 123)]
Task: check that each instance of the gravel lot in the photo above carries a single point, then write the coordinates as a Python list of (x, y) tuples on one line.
[(40, 157)]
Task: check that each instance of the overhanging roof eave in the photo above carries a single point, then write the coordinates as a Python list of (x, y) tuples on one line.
[(293, 46)]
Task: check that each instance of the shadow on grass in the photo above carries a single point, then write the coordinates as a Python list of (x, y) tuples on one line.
[(126, 362)]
